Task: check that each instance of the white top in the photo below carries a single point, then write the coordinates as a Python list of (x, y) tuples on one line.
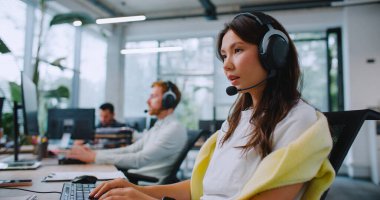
[(230, 169), (154, 153)]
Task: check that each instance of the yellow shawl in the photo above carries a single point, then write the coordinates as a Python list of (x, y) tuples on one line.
[(303, 160)]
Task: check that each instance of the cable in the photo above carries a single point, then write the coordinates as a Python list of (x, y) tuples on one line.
[(30, 190)]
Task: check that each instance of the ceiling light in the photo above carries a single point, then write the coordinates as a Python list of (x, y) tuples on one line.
[(77, 23), (121, 19), (150, 50)]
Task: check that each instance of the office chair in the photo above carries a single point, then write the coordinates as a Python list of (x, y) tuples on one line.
[(193, 136), (344, 127)]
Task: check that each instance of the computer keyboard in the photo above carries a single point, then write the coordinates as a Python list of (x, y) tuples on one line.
[(73, 191)]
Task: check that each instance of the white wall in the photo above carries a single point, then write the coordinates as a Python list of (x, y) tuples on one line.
[(360, 39)]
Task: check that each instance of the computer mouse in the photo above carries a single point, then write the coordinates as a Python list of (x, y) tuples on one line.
[(87, 179)]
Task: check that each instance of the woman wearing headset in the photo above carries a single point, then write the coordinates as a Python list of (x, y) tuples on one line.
[(272, 146)]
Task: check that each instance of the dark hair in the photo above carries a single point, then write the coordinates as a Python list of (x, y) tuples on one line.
[(165, 87), (107, 106), (279, 96)]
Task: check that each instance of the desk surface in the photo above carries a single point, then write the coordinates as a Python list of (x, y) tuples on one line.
[(48, 166)]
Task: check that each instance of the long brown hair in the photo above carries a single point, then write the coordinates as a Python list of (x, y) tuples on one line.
[(279, 96)]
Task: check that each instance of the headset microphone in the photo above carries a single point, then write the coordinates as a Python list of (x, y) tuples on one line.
[(232, 90), (145, 111)]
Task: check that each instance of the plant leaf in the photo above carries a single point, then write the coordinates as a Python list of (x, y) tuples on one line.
[(15, 92), (57, 63), (71, 17), (3, 47), (60, 92)]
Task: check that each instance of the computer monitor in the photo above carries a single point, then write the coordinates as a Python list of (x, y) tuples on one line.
[(137, 123), (79, 122), (29, 109), (210, 125), (29, 105)]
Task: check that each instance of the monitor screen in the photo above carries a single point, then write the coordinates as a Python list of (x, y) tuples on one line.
[(79, 122), (137, 123), (209, 125), (29, 105)]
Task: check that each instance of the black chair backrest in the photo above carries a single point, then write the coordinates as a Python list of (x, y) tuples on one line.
[(192, 138), (344, 127)]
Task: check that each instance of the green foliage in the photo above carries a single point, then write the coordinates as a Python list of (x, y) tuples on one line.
[(15, 92), (7, 122), (3, 47), (60, 92)]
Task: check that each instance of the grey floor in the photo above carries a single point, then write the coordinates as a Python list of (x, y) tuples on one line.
[(353, 189)]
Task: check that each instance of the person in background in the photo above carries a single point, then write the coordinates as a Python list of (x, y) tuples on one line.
[(107, 117), (157, 150), (273, 144)]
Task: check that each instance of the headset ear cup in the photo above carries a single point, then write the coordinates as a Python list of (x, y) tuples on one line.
[(168, 101), (274, 51), (277, 52)]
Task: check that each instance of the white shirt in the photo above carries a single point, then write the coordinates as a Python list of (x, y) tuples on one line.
[(230, 169), (154, 153)]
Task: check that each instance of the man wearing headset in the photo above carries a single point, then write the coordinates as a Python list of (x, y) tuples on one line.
[(157, 150)]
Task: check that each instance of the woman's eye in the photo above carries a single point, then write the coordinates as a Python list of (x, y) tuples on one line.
[(238, 50), (224, 57)]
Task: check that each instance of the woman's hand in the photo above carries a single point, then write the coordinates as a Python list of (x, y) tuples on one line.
[(125, 194), (109, 185)]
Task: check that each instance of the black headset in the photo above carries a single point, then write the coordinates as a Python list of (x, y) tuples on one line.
[(169, 97), (274, 45)]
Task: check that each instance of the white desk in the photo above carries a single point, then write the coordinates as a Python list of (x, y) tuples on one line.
[(48, 166)]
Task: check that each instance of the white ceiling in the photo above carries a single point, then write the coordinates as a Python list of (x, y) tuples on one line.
[(133, 7)]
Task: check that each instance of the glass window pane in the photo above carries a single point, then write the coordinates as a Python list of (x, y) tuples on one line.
[(92, 70), (140, 73), (313, 61), (196, 57), (12, 33), (197, 98), (58, 43)]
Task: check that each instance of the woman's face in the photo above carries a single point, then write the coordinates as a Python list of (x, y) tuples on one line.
[(241, 62)]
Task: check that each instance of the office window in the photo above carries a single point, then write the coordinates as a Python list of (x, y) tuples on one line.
[(92, 70), (194, 59), (58, 43), (191, 68), (312, 56), (197, 98), (140, 73), (334, 40), (12, 33)]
